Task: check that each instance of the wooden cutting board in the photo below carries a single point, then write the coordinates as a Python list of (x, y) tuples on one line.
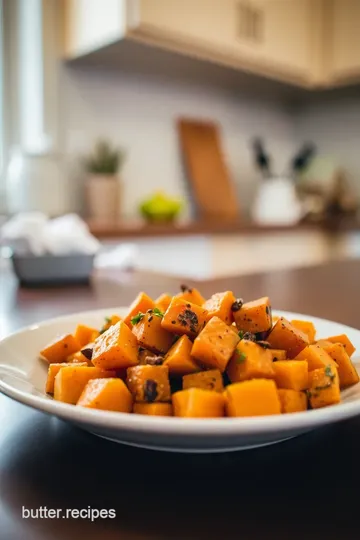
[(212, 188)]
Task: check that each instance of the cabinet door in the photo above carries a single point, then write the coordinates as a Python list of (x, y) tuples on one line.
[(344, 27)]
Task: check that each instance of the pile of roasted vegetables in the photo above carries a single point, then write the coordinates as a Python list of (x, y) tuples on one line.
[(190, 357)]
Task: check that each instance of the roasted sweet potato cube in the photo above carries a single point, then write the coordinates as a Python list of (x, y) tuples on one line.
[(84, 334), (141, 304), (107, 395), (219, 305), (277, 354), (254, 316), (183, 317), (116, 348), (179, 360), (250, 361), (291, 374), (53, 371), (70, 381), (346, 369), (151, 335), (307, 327), (108, 322), (148, 357), (198, 403), (316, 357), (324, 387), (285, 336), (215, 344), (192, 295), (252, 398), (58, 350), (149, 383), (345, 341), (292, 401), (207, 380), (153, 409), (323, 343), (163, 302)]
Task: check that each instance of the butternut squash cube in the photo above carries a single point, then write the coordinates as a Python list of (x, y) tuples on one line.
[(198, 403), (292, 374), (151, 335), (70, 381), (148, 357), (219, 305), (183, 317), (84, 334), (323, 343), (149, 383), (316, 357), (141, 304), (191, 295), (109, 321), (292, 401), (153, 409), (324, 387), (254, 316), (345, 341), (207, 380), (250, 361), (285, 336), (277, 354), (252, 398), (53, 371), (346, 369), (215, 344), (163, 302), (116, 348), (307, 327), (57, 351), (107, 395), (179, 360)]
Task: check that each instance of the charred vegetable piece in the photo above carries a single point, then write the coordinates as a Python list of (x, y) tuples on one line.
[(198, 403), (153, 409), (346, 369), (324, 387), (215, 344), (179, 360), (59, 350), (207, 380), (149, 383), (192, 295), (183, 317), (250, 361), (254, 316), (252, 398), (107, 395), (285, 336), (291, 374), (316, 357), (141, 304), (150, 333), (116, 348), (219, 305), (292, 401), (71, 381)]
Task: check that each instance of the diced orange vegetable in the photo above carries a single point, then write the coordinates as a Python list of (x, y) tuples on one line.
[(324, 387), (109, 321), (316, 357), (163, 302), (292, 401), (285, 336), (250, 361), (344, 340), (291, 374), (76, 358), (183, 317), (252, 398), (198, 403), (149, 383), (83, 334), (70, 381), (116, 348), (219, 305), (191, 295), (215, 344), (307, 327), (207, 380), (254, 316), (153, 409), (346, 369), (151, 335), (107, 395), (323, 343), (53, 371), (148, 357), (58, 351), (179, 360), (277, 354), (141, 304)]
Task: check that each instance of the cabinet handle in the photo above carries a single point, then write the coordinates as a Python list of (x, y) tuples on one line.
[(250, 22)]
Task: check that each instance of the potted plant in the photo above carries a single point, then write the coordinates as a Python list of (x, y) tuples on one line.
[(103, 185)]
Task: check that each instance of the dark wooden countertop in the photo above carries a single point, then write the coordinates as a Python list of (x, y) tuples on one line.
[(306, 487)]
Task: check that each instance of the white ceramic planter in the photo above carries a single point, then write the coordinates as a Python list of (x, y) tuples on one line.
[(103, 196)]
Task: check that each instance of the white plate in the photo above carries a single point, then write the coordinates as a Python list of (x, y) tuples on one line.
[(23, 376)]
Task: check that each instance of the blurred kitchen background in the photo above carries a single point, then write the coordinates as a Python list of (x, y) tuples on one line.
[(193, 137)]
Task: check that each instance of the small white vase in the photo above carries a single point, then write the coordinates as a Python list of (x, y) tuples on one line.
[(276, 203), (102, 196)]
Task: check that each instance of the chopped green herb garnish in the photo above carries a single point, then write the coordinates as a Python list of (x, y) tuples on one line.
[(241, 357), (108, 320), (329, 373), (241, 334), (157, 312), (137, 318), (106, 325)]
